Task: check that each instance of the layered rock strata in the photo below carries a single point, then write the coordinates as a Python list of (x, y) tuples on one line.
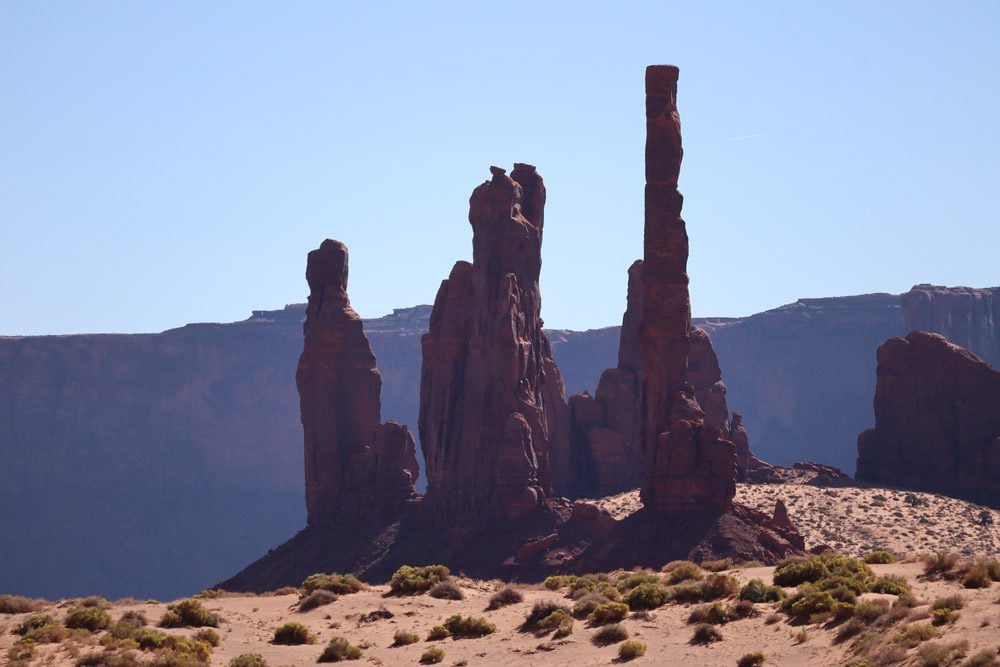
[(491, 397), (355, 466), (937, 420), (967, 316)]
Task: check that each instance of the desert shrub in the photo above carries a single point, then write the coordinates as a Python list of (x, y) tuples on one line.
[(248, 660), (580, 586), (317, 598), (646, 596), (88, 618), (705, 634), (41, 629), (93, 601), (938, 654), (409, 580), (128, 626), (951, 602), (208, 636), (757, 591), (586, 605), (755, 659), (939, 563), (17, 604), (612, 612), (717, 565), (437, 633), (943, 617), (150, 639), (826, 565), (683, 571), (630, 650), (341, 584), (800, 571), (890, 584), (632, 579), (992, 566), (432, 656), (810, 601), (108, 659), (292, 634), (869, 611), (404, 638), (915, 633), (339, 649), (446, 590), (188, 613), (210, 594), (977, 576), (714, 614), (557, 581), (610, 634), (716, 586), (504, 597), (853, 626), (559, 620), (540, 611), (879, 558), (984, 658), (469, 626)]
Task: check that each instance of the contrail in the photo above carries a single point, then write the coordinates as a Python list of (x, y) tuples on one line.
[(747, 136)]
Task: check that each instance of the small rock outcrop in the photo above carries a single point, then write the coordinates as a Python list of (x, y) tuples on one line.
[(354, 465), (937, 420), (492, 402)]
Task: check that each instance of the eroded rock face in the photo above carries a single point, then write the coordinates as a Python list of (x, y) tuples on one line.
[(491, 397), (937, 420), (350, 458), (967, 316)]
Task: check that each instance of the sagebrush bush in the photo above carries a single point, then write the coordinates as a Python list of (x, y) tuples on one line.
[(88, 618), (292, 634), (828, 564), (557, 581), (977, 576), (757, 591), (951, 602), (646, 596), (188, 613), (468, 626), (586, 605), (317, 598), (683, 571), (340, 584), (869, 611), (890, 584), (446, 590), (938, 654), (17, 604), (611, 612), (810, 601), (716, 586), (706, 634), (339, 649), (437, 633), (939, 563), (630, 580), (755, 659), (207, 635), (409, 580), (879, 558), (915, 633), (504, 597), (610, 634), (41, 629), (404, 638), (432, 656), (630, 650), (248, 660), (540, 611)]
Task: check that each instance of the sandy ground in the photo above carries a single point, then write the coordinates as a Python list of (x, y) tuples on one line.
[(856, 520)]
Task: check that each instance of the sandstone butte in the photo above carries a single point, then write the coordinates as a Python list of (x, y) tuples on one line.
[(493, 415), (937, 420)]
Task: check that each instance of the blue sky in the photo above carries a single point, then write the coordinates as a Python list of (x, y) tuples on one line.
[(171, 162)]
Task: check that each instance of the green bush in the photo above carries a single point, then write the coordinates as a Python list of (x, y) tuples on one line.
[(610, 634), (404, 638), (559, 620), (188, 613), (446, 590), (150, 639), (340, 584), (706, 634), (88, 618), (41, 629), (952, 603), (630, 580), (612, 612), (586, 605), (912, 635), (17, 604), (409, 580), (683, 571), (869, 611), (717, 586), (828, 564), (208, 636), (890, 584), (800, 571), (468, 626), (432, 656), (757, 591), (647, 596), (437, 633), (879, 558), (755, 659), (339, 649), (248, 660), (810, 601), (541, 610), (293, 634), (557, 581), (630, 650), (504, 597), (317, 598)]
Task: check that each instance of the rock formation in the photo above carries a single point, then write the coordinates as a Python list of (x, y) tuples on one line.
[(354, 465), (937, 420), (966, 316), (491, 396)]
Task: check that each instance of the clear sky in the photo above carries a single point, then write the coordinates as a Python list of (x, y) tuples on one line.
[(172, 162)]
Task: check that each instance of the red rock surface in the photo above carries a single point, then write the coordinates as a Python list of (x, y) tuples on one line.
[(350, 458), (491, 397), (937, 420)]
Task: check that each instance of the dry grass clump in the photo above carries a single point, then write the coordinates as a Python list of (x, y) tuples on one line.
[(404, 638), (610, 634), (293, 634), (938, 654), (339, 649), (432, 656), (706, 634), (317, 598), (983, 658), (340, 584), (504, 597), (248, 660), (18, 604), (188, 613), (914, 634), (446, 590), (939, 564), (409, 580), (755, 659), (630, 650)]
